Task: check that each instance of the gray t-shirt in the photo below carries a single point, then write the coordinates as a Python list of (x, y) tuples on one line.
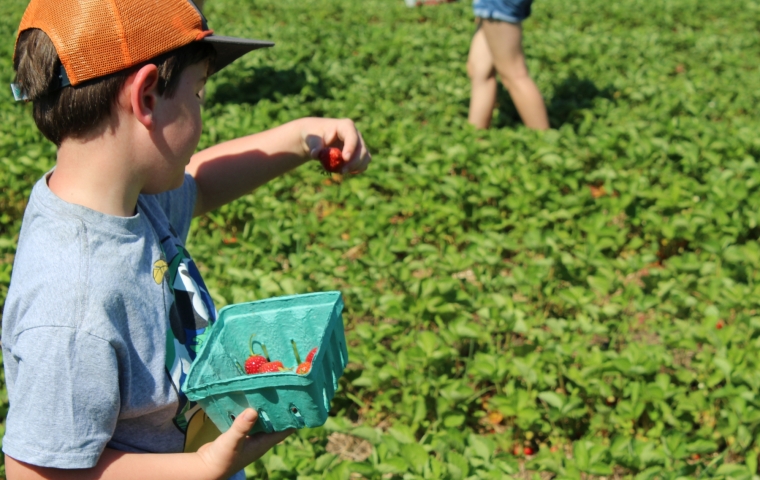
[(103, 317)]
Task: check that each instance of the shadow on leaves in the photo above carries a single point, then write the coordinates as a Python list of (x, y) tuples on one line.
[(570, 97), (265, 83)]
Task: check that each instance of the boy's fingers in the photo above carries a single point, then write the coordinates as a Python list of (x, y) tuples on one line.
[(361, 159), (241, 426), (315, 144), (354, 150), (234, 449), (231, 443), (345, 136), (350, 137), (360, 165)]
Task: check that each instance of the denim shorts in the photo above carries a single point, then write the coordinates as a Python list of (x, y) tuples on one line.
[(512, 11)]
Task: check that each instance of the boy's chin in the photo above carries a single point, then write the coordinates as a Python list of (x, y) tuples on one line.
[(178, 182), (161, 187)]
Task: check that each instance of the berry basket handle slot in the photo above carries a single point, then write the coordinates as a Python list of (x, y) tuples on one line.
[(264, 419), (342, 349), (334, 377), (297, 416), (328, 384), (326, 400)]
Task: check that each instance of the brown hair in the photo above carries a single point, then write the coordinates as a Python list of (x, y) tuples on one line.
[(71, 111)]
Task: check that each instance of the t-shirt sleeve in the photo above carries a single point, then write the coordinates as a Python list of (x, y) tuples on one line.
[(65, 401), (179, 204)]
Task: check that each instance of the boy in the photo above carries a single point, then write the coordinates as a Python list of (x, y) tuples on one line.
[(106, 309), (497, 48)]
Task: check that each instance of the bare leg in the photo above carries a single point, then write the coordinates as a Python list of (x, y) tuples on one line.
[(482, 74), (505, 44)]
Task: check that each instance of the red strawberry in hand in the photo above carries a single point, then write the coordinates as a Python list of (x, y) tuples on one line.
[(310, 356), (272, 367), (254, 363), (303, 368), (332, 159)]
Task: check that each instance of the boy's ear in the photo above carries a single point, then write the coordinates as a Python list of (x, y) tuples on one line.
[(143, 94)]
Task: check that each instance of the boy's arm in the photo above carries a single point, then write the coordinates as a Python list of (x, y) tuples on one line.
[(218, 460), (231, 169)]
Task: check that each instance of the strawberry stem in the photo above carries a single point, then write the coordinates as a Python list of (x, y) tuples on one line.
[(263, 347), (250, 343), (295, 351)]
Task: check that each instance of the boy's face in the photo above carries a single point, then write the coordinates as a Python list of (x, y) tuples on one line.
[(177, 129)]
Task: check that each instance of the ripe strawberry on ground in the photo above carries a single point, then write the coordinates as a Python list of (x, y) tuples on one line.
[(310, 356), (254, 363), (272, 367), (303, 368), (331, 159), (528, 451)]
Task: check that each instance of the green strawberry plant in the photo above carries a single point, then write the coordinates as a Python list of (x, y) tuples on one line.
[(577, 303)]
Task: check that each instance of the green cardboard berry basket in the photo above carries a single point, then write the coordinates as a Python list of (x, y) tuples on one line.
[(216, 379)]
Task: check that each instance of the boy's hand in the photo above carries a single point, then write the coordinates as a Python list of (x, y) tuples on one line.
[(234, 168), (318, 133), (233, 450)]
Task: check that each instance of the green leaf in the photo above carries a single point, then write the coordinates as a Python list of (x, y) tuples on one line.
[(393, 465), (415, 455), (600, 469), (482, 446), (733, 470), (275, 463), (552, 399), (367, 433), (453, 419), (580, 454), (458, 466), (466, 330), (750, 460), (361, 468), (323, 461), (723, 365), (702, 446), (403, 434)]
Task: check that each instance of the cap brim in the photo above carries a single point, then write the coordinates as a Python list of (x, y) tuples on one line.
[(229, 49)]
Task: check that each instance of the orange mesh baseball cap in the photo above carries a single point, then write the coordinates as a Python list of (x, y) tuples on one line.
[(95, 38)]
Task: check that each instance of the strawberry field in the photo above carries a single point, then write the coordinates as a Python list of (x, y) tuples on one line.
[(577, 303)]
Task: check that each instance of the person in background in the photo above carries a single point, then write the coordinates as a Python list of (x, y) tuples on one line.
[(497, 48), (417, 3)]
